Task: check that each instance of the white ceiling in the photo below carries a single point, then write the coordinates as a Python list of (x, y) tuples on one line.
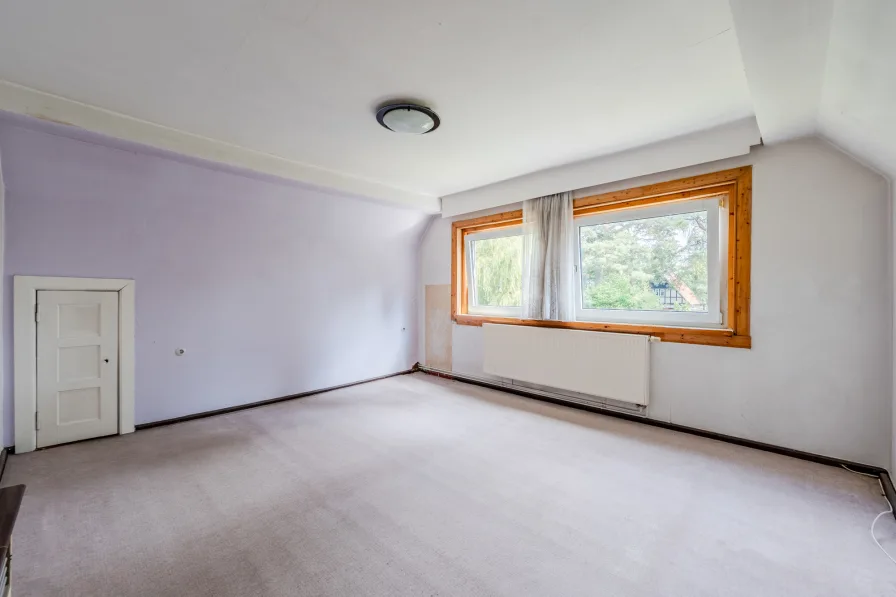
[(289, 87), (823, 66), (521, 85), (784, 45), (858, 101)]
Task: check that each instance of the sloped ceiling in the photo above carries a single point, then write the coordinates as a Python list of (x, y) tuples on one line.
[(823, 67), (858, 100)]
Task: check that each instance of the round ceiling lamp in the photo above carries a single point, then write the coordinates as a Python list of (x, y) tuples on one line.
[(411, 119)]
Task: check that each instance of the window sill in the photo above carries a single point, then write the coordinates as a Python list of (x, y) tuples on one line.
[(682, 335)]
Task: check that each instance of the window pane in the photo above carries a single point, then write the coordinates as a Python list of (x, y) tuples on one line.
[(651, 264), (498, 264)]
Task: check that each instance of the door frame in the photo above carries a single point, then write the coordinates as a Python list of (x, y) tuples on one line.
[(25, 290)]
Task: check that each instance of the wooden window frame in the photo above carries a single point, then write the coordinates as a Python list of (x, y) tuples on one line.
[(736, 184)]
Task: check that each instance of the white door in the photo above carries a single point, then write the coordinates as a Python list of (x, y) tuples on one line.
[(77, 365)]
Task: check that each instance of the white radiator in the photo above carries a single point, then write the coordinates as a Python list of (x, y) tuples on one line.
[(615, 366)]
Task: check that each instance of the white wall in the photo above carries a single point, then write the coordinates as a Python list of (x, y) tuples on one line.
[(819, 375)]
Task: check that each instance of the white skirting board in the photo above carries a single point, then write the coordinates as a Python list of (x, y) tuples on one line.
[(614, 366)]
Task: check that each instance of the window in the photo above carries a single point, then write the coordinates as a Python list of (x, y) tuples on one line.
[(658, 264), (670, 260), (495, 271)]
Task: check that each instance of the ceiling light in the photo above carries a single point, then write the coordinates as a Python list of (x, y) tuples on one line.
[(408, 118)]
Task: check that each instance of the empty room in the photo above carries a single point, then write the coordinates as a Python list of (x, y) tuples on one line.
[(447, 298)]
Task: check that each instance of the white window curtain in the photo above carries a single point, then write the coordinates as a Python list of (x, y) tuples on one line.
[(547, 258)]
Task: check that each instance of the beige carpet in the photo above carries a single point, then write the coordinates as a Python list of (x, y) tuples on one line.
[(420, 486)]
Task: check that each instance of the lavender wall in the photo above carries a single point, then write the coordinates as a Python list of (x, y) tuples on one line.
[(272, 288)]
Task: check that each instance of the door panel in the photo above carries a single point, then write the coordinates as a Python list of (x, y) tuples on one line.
[(77, 365)]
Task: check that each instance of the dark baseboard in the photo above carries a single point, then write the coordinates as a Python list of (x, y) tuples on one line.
[(889, 491), (4, 454), (230, 409), (828, 460)]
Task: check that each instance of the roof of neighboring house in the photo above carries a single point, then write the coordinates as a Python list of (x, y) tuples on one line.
[(684, 290)]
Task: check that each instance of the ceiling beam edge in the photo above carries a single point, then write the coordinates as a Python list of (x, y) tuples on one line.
[(45, 106), (784, 46)]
